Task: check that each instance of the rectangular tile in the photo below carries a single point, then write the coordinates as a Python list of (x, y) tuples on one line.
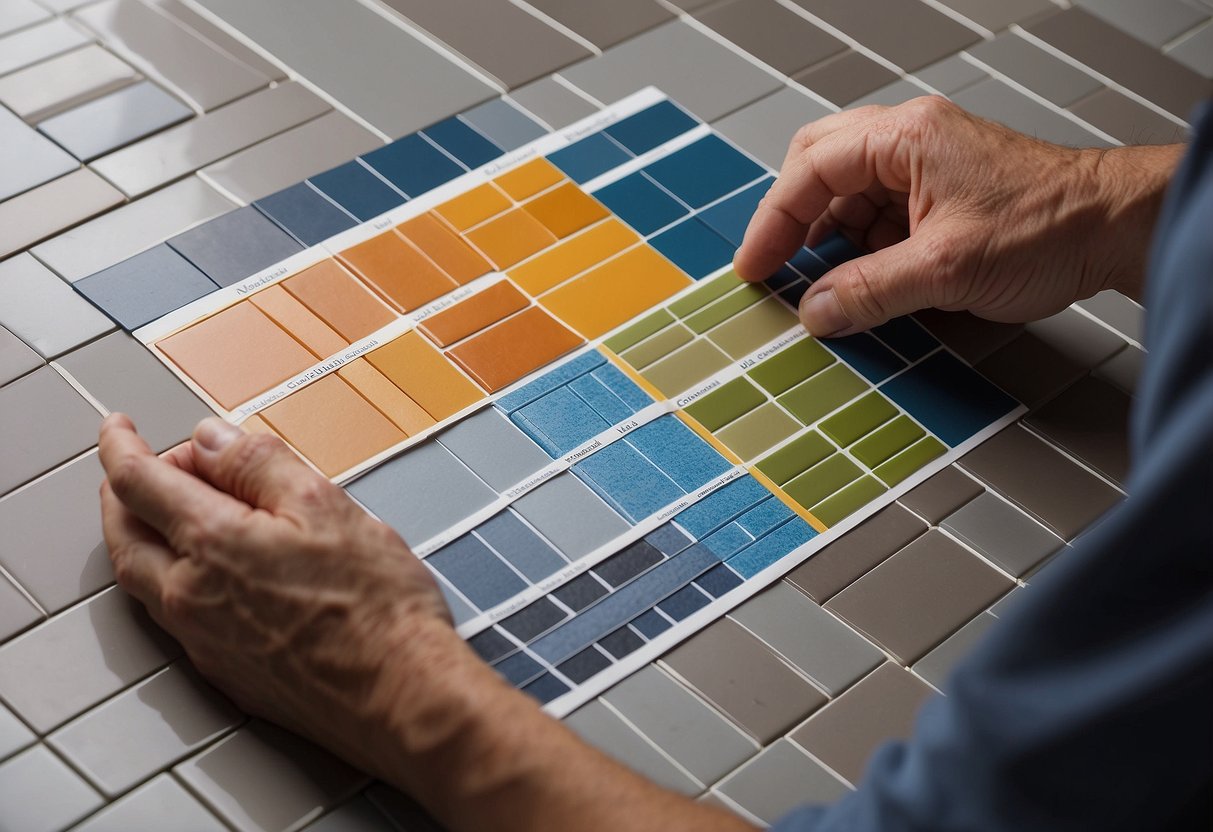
[(509, 350), (114, 120), (36, 43), (1123, 58), (941, 494), (502, 123), (123, 290), (145, 728), (602, 728), (1118, 312), (1123, 118), (180, 150), (161, 803), (63, 82), (16, 357), (951, 75), (772, 33), (17, 14), (1002, 533), (1091, 421), (995, 100), (234, 245), (996, 15), (1157, 22), (40, 791), (492, 43), (911, 34), (779, 780), (16, 612), (168, 51), (765, 128), (67, 665), (602, 25), (57, 562), (1038, 70), (45, 422), (14, 735), (41, 159), (845, 77), (410, 85), (291, 156), (47, 209)]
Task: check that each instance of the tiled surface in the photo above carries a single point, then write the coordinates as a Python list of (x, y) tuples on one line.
[(145, 93)]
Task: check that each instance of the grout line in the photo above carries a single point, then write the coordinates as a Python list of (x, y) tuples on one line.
[(576, 90), (948, 11), (1187, 33), (589, 45)]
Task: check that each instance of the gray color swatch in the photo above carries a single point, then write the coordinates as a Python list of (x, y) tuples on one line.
[(16, 612), (942, 494), (570, 515), (16, 358), (1091, 421), (995, 100), (1155, 21), (845, 77), (1003, 534), (778, 780), (33, 216), (937, 665), (235, 245), (503, 123), (602, 728), (1042, 72), (145, 287), (41, 159), (772, 33), (490, 445), (37, 43), (996, 15), (951, 75), (765, 128), (1123, 118), (553, 102), (605, 24), (14, 735)]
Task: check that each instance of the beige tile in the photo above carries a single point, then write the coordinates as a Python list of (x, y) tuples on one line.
[(48, 209), (60, 83)]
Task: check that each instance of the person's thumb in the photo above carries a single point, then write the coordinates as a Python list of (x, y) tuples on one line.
[(869, 290), (257, 468)]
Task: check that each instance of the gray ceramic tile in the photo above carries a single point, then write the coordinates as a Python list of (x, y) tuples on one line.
[(970, 337), (553, 102), (919, 596), (130, 229), (882, 707), (996, 101), (63, 82), (778, 780), (234, 245), (169, 52), (700, 74), (119, 118), (358, 815), (14, 734), (1124, 59), (17, 14), (120, 373), (680, 724), (415, 493), (1041, 481), (1042, 72), (1123, 369), (1195, 51), (1091, 421), (52, 543), (908, 33), (16, 612), (602, 728), (183, 149), (41, 794), (402, 809), (16, 358), (144, 729), (765, 128), (1004, 534), (264, 778), (753, 687), (145, 287), (572, 517), (40, 159), (1078, 338), (845, 77), (1155, 21), (996, 15), (76, 659), (160, 804), (893, 94), (844, 560), (46, 210), (43, 422), (951, 75), (941, 495), (1118, 312), (772, 33), (605, 24), (1123, 118), (1030, 370), (494, 449), (503, 123), (37, 43), (826, 650), (937, 665), (1009, 602), (291, 157), (492, 43), (399, 84), (219, 38)]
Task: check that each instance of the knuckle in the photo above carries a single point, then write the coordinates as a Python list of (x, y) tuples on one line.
[(864, 296), (125, 476), (198, 535), (925, 111), (254, 449)]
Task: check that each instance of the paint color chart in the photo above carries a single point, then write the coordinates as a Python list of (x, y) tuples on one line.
[(539, 369)]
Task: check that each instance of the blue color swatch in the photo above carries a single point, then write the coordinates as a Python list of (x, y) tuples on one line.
[(694, 248), (356, 189), (704, 171), (651, 127), (303, 213), (950, 399), (413, 165), (593, 155), (639, 202)]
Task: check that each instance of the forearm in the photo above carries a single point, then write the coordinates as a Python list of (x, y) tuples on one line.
[(1132, 182), (480, 755)]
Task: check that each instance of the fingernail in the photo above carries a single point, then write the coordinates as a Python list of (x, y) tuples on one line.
[(822, 314), (214, 434)]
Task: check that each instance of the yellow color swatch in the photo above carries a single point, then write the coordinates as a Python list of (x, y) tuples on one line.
[(388, 399), (529, 179), (573, 256), (425, 375), (511, 237), (474, 207)]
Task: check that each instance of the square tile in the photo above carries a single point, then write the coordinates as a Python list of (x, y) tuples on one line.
[(43, 311), (1091, 421), (941, 495), (43, 423)]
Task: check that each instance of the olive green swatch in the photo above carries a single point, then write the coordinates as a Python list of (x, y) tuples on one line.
[(754, 327), (726, 403), (638, 331), (893, 437), (791, 366), (910, 460), (858, 419), (824, 392), (847, 501), (659, 346), (705, 294), (822, 480), (678, 371), (796, 457), (758, 430)]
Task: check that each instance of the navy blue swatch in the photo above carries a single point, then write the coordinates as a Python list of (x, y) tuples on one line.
[(718, 580), (731, 217), (490, 645), (546, 688), (462, 142), (356, 189), (621, 642), (651, 127), (685, 601), (591, 156), (694, 248), (651, 624), (580, 592), (704, 171), (950, 399), (621, 567), (519, 668), (304, 214), (636, 200), (589, 662), (907, 337), (413, 165), (533, 619), (870, 358)]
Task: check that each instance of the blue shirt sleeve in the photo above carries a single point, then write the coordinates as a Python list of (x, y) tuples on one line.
[(1091, 705)]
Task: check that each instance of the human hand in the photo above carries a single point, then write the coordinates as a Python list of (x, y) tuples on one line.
[(283, 592), (959, 212)]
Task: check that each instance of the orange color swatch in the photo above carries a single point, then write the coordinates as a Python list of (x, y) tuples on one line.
[(605, 297), (529, 179), (573, 256), (331, 425), (511, 237), (474, 207), (255, 424), (401, 273), (425, 376), (446, 248), (500, 356), (236, 354), (474, 314), (299, 321), (332, 293), (375, 387), (566, 209)]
